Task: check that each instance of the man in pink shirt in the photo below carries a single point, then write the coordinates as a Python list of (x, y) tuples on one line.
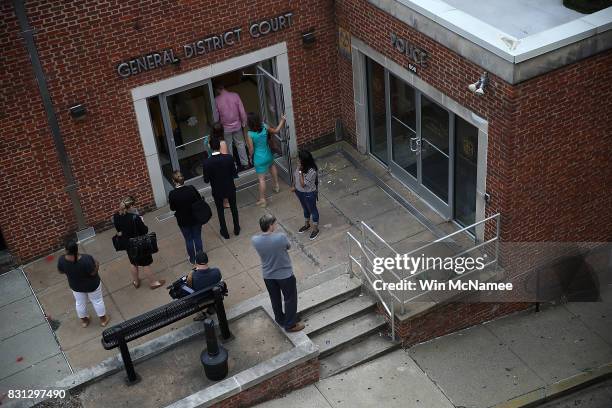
[(230, 112)]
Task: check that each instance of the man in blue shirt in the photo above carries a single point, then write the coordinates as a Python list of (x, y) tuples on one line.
[(278, 273), (202, 276)]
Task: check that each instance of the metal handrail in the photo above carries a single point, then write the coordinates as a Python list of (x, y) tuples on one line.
[(444, 238), (457, 255), (389, 309), (365, 262), (192, 141)]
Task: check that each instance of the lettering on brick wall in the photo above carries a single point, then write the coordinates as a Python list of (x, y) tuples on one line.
[(415, 54), (203, 46)]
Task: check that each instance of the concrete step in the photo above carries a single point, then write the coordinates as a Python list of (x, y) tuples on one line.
[(327, 294), (328, 318), (322, 277), (369, 348), (347, 333)]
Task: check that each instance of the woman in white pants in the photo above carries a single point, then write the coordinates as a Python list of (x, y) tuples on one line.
[(82, 273)]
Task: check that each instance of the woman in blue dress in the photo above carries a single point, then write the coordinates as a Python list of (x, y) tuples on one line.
[(261, 154)]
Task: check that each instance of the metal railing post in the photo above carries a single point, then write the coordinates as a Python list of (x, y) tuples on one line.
[(132, 377), (350, 259), (392, 320), (497, 230), (223, 325)]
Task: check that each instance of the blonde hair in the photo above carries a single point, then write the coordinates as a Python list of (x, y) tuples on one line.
[(178, 178), (125, 204)]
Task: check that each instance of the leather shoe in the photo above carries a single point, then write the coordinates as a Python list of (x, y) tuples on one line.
[(296, 327), (225, 234), (237, 231)]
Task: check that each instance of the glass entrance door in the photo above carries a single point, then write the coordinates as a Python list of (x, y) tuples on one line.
[(272, 107), (188, 116), (434, 157), (419, 133)]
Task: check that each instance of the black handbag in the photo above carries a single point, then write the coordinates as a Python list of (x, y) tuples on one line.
[(119, 243), (200, 209), (143, 245)]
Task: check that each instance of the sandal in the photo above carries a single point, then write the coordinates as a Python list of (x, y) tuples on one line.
[(157, 284), (136, 283), (104, 322), (85, 322), (276, 188), (261, 203)]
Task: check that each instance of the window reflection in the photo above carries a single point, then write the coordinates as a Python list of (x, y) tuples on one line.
[(377, 110), (190, 119), (466, 154)]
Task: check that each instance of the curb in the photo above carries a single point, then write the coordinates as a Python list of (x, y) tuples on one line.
[(560, 388)]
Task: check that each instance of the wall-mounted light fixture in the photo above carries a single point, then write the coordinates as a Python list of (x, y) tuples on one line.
[(479, 86), (308, 37), (78, 112)]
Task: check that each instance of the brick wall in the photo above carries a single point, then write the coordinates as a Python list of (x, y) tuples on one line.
[(299, 376), (32, 194), (80, 44), (561, 180), (448, 318), (549, 141), (447, 72)]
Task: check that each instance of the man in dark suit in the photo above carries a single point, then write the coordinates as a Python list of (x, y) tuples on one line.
[(219, 171)]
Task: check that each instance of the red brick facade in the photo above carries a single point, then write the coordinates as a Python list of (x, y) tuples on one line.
[(297, 377), (448, 318), (549, 140), (80, 45)]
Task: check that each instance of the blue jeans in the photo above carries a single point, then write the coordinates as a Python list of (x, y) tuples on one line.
[(309, 205), (193, 240)]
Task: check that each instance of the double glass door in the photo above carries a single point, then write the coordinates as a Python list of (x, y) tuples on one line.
[(182, 120), (420, 144), (416, 137)]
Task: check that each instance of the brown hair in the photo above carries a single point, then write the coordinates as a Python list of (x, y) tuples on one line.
[(178, 178)]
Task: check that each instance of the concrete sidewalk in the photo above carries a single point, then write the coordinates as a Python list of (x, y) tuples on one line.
[(511, 361), (346, 196), (29, 353)]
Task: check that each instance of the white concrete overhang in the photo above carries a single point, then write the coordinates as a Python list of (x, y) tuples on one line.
[(482, 37)]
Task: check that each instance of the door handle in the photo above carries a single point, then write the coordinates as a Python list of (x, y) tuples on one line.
[(415, 143)]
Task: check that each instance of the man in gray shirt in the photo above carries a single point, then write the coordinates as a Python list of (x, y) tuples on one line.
[(278, 273)]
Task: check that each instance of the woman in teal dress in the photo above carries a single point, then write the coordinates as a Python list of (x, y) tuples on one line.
[(261, 155)]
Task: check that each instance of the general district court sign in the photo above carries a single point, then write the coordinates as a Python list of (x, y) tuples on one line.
[(206, 45)]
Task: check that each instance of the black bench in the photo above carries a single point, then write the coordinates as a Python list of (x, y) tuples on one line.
[(122, 333)]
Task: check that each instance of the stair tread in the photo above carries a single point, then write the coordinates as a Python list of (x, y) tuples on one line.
[(337, 313), (327, 291), (367, 349), (346, 332)]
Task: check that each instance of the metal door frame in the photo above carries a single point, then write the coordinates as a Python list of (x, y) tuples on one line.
[(284, 135), (446, 209), (166, 118)]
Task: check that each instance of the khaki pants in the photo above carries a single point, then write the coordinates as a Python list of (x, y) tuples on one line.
[(237, 137)]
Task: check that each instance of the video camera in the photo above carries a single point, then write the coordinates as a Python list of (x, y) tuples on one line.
[(179, 288)]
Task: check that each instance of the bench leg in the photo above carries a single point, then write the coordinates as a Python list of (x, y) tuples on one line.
[(225, 331), (132, 377)]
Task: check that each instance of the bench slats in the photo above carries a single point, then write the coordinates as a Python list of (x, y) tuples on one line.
[(162, 316)]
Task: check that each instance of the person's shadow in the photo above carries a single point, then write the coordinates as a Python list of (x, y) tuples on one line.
[(570, 278)]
